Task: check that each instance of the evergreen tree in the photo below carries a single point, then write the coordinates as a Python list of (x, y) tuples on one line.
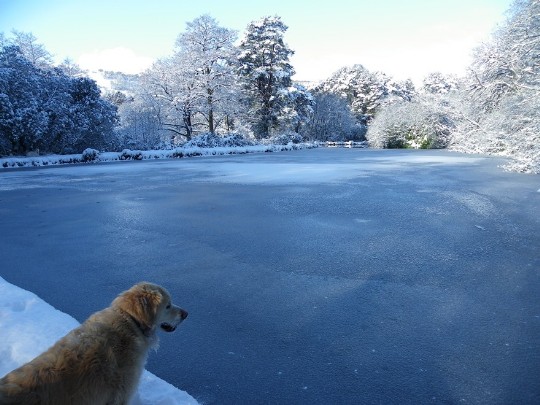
[(263, 65), (298, 110)]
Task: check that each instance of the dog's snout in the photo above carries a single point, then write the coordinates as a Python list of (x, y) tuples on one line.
[(183, 314)]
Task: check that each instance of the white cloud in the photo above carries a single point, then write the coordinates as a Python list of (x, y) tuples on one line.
[(115, 59)]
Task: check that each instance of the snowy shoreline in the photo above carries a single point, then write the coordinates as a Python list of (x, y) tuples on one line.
[(93, 156), (28, 326)]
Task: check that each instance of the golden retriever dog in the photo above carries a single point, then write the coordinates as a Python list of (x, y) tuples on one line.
[(101, 361)]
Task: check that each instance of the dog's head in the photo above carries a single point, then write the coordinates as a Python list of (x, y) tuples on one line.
[(151, 307)]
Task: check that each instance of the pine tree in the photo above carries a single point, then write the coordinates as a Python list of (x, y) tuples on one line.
[(266, 73)]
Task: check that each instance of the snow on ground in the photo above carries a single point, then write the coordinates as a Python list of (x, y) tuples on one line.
[(92, 155), (28, 326)]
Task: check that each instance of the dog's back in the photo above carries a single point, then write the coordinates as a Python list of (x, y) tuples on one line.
[(94, 364), (101, 361)]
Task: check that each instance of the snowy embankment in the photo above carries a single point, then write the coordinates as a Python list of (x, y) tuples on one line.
[(29, 326), (92, 155)]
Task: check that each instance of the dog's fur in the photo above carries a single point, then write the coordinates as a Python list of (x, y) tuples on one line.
[(99, 362)]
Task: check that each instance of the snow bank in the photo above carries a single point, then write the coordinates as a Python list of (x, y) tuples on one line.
[(92, 155), (28, 326)]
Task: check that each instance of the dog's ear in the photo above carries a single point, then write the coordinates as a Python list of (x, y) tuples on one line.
[(141, 302)]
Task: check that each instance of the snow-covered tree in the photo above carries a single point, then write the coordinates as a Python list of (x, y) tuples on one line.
[(264, 68), (331, 120), (510, 62), (139, 124), (501, 110), (196, 89), (399, 90), (70, 68), (23, 121), (176, 95), (207, 50), (3, 40), (438, 83), (31, 49), (43, 109), (366, 92), (93, 118), (297, 108), (418, 124), (140, 127)]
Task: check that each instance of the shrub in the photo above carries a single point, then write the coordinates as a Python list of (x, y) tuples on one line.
[(209, 140), (417, 124), (90, 155), (287, 138), (128, 154)]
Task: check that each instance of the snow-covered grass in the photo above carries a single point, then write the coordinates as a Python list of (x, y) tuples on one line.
[(92, 155), (28, 326)]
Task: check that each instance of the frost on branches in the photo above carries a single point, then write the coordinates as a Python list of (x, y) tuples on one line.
[(195, 89), (209, 85), (495, 109), (365, 93), (503, 104), (425, 121)]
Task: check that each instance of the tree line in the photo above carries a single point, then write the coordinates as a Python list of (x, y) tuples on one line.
[(214, 84)]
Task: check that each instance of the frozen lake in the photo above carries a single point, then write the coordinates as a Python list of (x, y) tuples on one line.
[(325, 276)]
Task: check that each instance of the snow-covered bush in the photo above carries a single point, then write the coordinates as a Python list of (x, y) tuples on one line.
[(43, 108), (286, 138), (215, 141), (128, 154), (90, 155), (417, 124)]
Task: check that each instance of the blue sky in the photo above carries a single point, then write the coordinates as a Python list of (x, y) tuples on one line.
[(403, 38)]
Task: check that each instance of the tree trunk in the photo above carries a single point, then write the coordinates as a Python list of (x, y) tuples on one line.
[(211, 121), (187, 123)]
